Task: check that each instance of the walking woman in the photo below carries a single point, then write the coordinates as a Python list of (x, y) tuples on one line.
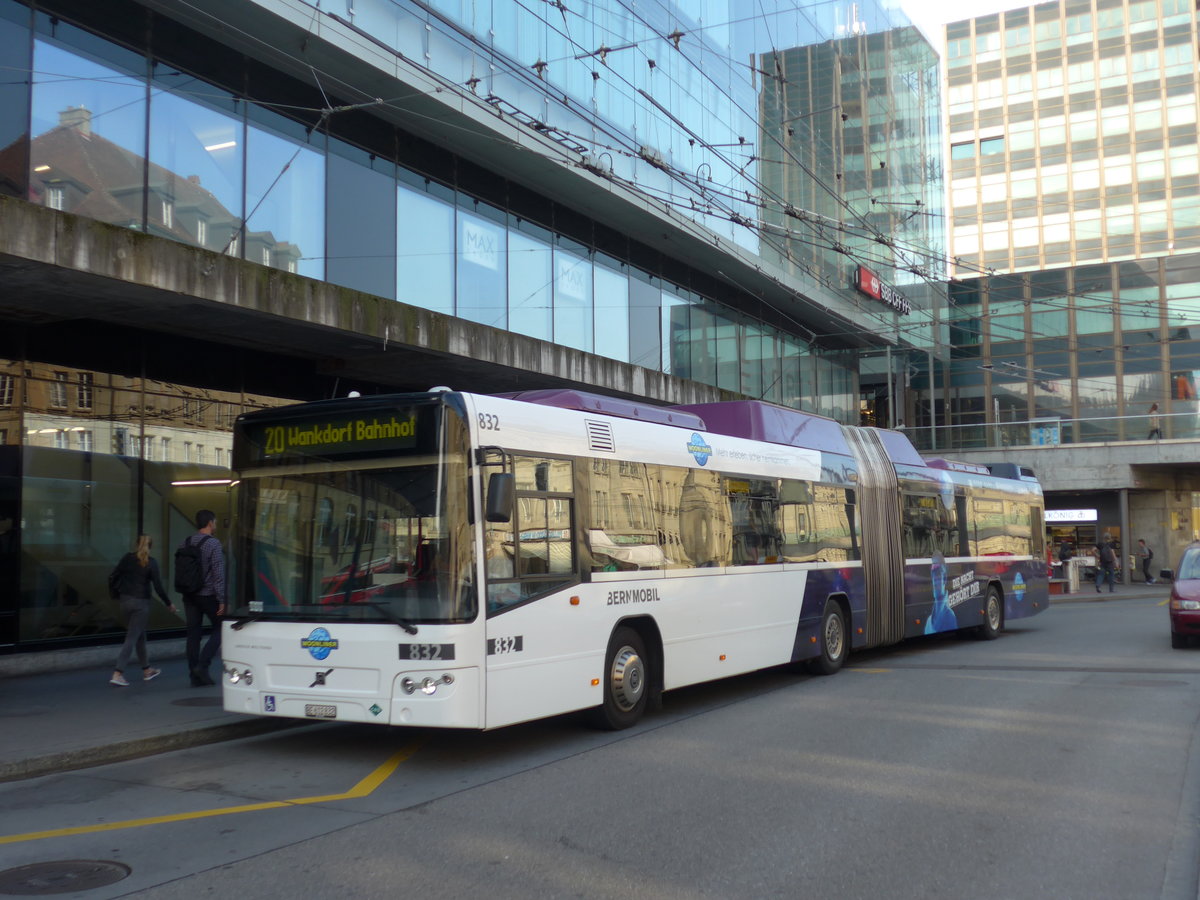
[(131, 581)]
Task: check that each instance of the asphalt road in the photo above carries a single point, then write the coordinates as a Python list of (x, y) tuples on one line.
[(1054, 762)]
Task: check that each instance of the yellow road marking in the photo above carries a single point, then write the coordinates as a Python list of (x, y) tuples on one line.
[(868, 671), (364, 788), (1164, 602)]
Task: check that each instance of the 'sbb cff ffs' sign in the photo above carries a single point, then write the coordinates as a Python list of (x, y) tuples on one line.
[(867, 282)]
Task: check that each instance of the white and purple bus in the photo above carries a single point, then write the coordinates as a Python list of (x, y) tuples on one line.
[(459, 560)]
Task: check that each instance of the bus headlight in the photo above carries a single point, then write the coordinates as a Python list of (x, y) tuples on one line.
[(1185, 604), (426, 685), (236, 677)]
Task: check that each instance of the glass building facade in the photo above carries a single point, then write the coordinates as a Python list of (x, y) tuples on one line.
[(804, 140)]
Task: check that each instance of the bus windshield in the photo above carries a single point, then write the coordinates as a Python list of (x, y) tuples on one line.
[(341, 533)]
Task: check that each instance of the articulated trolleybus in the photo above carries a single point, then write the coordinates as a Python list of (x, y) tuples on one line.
[(455, 560)]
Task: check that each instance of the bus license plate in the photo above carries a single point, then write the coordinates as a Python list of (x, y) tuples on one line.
[(320, 711)]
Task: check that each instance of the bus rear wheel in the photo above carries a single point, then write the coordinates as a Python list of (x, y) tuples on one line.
[(993, 616), (626, 681), (832, 638)]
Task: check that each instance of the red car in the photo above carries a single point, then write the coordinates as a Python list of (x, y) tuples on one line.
[(1185, 598)]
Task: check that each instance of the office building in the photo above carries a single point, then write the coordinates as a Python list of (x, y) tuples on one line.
[(211, 208), (1074, 175)]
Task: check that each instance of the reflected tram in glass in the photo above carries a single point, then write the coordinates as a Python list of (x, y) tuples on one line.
[(447, 559)]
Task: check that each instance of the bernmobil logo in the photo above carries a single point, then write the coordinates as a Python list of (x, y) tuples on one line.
[(699, 449), (320, 643)]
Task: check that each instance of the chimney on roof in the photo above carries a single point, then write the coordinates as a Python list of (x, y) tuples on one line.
[(194, 179), (78, 117)]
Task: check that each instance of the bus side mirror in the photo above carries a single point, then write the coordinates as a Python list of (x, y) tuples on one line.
[(499, 498)]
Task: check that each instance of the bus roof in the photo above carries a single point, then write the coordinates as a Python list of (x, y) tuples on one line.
[(566, 398)]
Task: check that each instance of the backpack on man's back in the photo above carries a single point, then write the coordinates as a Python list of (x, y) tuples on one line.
[(189, 566)]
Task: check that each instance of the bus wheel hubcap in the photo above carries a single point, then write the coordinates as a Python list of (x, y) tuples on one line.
[(993, 611), (628, 678), (833, 636)]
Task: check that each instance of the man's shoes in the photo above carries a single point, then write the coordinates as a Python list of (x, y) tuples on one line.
[(119, 680), (201, 678), (150, 674)]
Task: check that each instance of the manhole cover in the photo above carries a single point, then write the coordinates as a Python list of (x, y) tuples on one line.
[(64, 876), (197, 701)]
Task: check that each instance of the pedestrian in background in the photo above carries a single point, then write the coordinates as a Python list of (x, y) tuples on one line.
[(1145, 554), (131, 582), (200, 577), (1155, 424), (1106, 558)]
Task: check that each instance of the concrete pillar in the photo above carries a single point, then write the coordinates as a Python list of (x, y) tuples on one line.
[(1128, 541)]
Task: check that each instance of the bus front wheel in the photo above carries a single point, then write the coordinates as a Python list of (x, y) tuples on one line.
[(832, 639), (626, 681)]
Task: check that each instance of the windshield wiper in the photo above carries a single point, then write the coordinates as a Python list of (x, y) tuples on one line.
[(295, 610), (406, 625), (246, 620)]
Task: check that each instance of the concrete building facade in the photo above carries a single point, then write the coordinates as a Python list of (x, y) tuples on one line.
[(210, 209)]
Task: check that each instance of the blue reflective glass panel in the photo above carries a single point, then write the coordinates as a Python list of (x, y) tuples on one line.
[(89, 137), (285, 206), (676, 335), (645, 298), (14, 97), (612, 313), (362, 222), (529, 286), (424, 251), (196, 149), (572, 300), (482, 279)]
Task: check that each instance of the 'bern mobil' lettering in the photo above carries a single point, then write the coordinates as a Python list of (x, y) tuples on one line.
[(355, 430), (638, 595)]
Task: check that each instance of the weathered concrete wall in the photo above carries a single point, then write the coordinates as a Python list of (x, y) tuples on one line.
[(1136, 465), (56, 265)]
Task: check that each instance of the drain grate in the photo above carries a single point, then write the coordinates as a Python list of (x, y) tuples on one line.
[(197, 701), (65, 876)]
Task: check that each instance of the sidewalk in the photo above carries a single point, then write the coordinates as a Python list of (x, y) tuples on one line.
[(55, 721), (62, 720), (1160, 590)]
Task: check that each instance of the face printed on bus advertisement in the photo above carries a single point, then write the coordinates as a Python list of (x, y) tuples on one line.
[(941, 617)]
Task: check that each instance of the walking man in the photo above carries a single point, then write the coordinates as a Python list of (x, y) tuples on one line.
[(1107, 560), (1145, 554), (200, 577)]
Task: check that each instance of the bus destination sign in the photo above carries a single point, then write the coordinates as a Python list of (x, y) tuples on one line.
[(335, 436)]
